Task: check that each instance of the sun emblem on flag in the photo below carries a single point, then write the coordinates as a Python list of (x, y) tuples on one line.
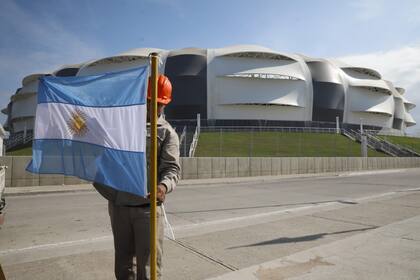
[(77, 124)]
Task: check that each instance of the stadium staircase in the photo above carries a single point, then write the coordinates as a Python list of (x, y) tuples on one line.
[(19, 140), (188, 137), (380, 144)]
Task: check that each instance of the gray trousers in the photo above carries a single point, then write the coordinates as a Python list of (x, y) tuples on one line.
[(131, 230)]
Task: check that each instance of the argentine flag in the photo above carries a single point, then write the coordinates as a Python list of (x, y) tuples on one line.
[(94, 128)]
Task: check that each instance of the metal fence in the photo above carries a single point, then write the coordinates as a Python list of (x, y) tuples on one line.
[(276, 142)]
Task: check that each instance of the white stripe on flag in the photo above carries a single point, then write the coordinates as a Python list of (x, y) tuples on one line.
[(121, 128)]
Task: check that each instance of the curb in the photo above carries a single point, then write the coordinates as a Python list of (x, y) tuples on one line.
[(35, 190)]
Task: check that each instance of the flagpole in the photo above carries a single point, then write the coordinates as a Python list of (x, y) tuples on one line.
[(153, 166)]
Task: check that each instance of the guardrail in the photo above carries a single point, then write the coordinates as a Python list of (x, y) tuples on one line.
[(18, 139), (267, 129), (380, 144), (183, 141), (194, 142)]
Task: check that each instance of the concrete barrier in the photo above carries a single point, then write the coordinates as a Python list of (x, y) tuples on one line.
[(206, 167)]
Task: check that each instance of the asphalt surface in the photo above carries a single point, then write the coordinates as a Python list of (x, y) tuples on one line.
[(219, 228)]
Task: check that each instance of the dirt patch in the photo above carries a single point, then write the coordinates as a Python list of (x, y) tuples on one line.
[(292, 270)]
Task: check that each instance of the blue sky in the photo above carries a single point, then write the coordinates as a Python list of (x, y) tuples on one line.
[(39, 36)]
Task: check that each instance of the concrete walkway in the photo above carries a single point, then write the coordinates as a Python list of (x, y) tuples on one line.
[(389, 252), (363, 225)]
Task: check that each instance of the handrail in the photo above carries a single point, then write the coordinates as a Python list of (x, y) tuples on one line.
[(268, 128), (194, 142), (19, 139), (183, 141), (377, 143)]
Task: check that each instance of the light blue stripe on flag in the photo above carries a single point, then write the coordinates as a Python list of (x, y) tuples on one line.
[(94, 128), (122, 88), (124, 171)]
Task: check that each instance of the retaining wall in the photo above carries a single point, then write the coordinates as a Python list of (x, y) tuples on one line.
[(203, 167)]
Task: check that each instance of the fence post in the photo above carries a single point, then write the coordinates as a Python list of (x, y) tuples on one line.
[(198, 122), (185, 144), (300, 144), (364, 145), (335, 145), (220, 141), (252, 143), (337, 124)]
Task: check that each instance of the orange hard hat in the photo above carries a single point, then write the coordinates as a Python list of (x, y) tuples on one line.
[(164, 90)]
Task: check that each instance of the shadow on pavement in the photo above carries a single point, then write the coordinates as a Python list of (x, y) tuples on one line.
[(304, 238)]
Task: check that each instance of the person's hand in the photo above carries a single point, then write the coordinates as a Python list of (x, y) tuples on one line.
[(161, 193)]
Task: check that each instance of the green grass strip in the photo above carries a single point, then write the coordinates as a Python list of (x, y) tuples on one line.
[(277, 144)]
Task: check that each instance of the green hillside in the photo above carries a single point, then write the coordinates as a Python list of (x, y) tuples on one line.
[(27, 151), (277, 144)]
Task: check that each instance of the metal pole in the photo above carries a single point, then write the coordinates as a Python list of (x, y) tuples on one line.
[(24, 133), (220, 141), (185, 142), (363, 144), (198, 123), (337, 124), (153, 167), (300, 144), (252, 142)]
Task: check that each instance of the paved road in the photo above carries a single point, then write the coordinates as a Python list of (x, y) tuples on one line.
[(219, 228)]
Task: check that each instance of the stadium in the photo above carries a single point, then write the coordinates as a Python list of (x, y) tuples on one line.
[(247, 85)]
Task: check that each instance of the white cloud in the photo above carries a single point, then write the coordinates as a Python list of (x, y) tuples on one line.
[(401, 67), (368, 10)]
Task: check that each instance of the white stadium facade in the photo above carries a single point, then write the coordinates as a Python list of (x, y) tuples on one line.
[(248, 85)]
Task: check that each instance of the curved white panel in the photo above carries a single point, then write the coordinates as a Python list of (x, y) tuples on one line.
[(264, 76), (252, 51), (141, 52), (31, 87), (400, 90), (375, 109), (25, 107), (125, 60), (257, 87), (379, 86), (111, 65), (79, 65), (370, 118), (31, 78), (408, 104), (409, 121), (259, 112), (290, 93), (362, 100), (361, 73), (236, 66), (21, 125), (5, 111)]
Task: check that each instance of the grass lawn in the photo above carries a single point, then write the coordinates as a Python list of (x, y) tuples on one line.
[(277, 144), (21, 152), (410, 142)]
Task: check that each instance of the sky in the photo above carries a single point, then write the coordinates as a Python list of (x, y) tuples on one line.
[(40, 36)]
